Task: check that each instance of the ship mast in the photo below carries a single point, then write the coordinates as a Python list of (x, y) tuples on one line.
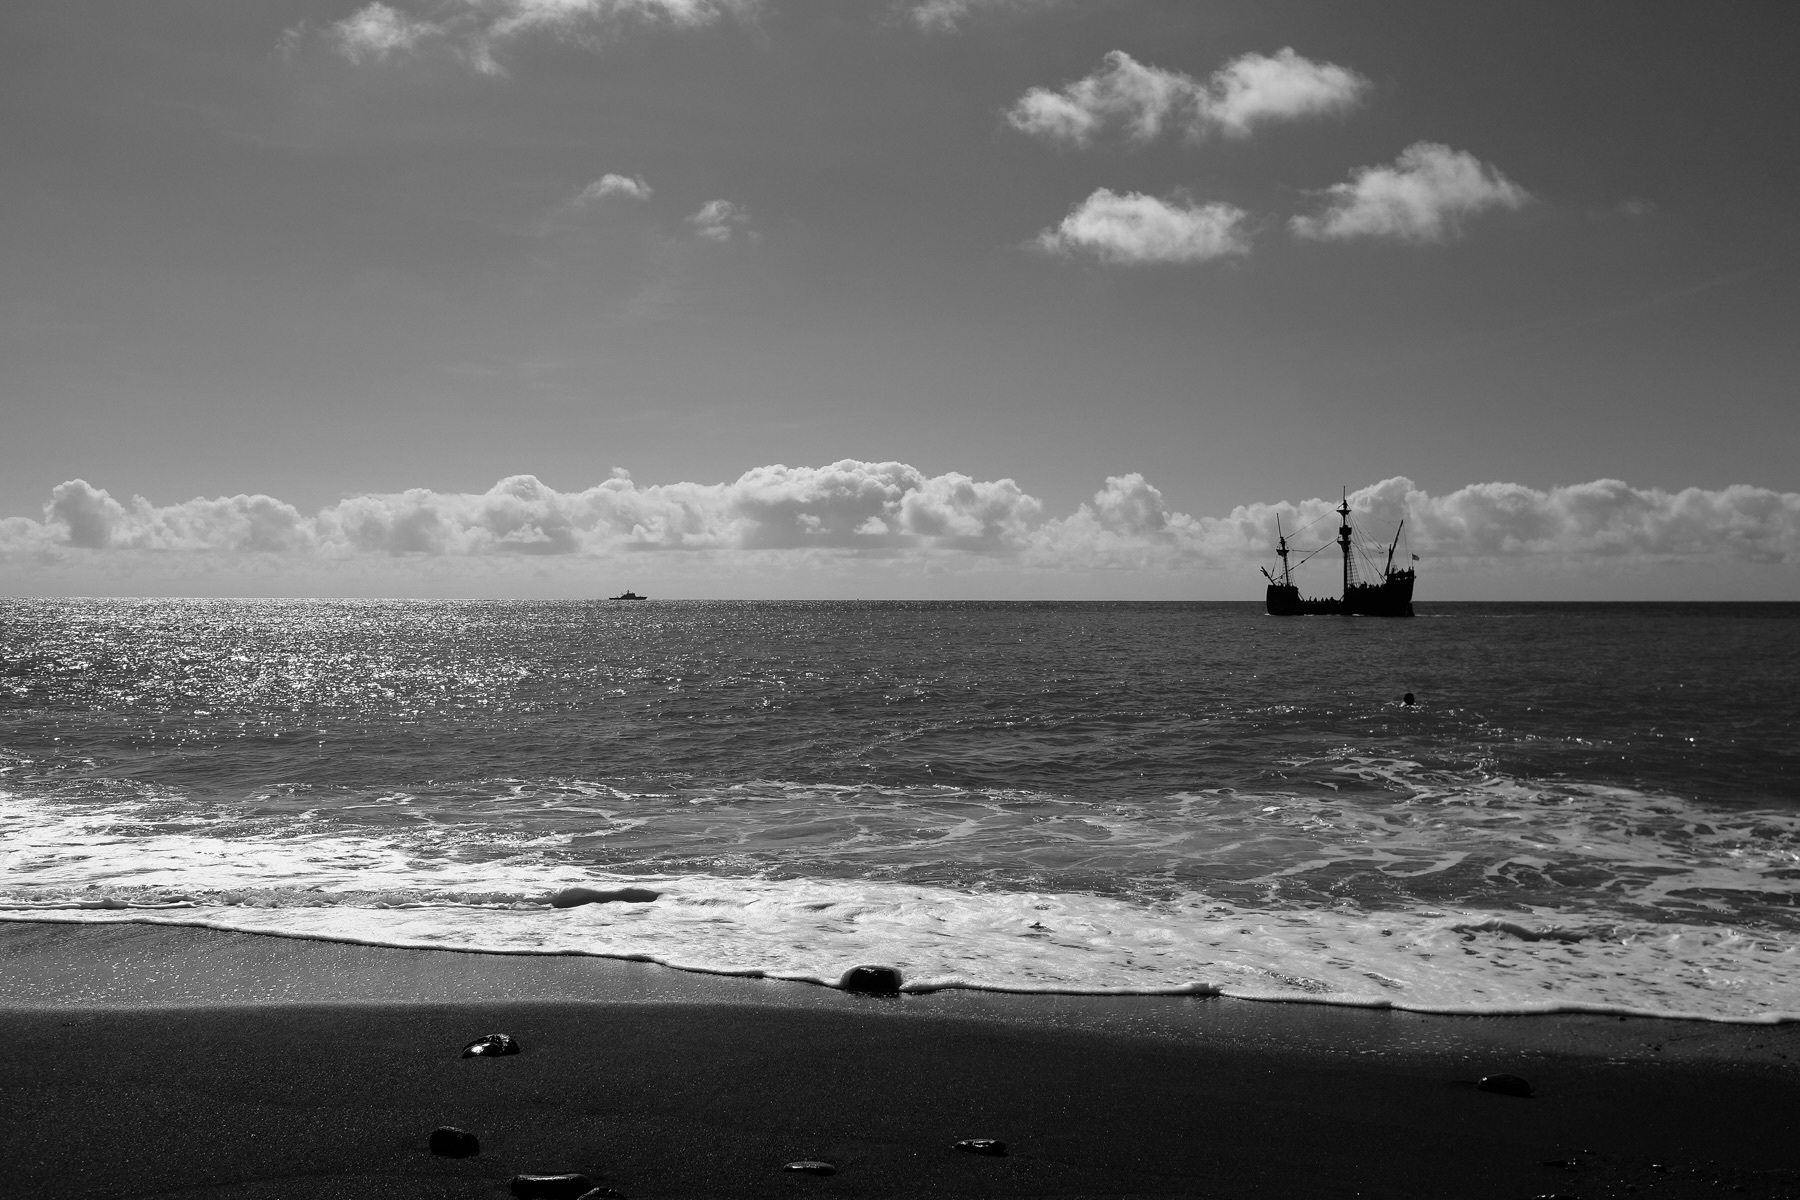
[(1344, 541), (1287, 579)]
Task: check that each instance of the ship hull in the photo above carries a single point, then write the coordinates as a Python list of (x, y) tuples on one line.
[(1390, 599), (1287, 602)]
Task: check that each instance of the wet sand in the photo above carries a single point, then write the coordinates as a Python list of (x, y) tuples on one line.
[(152, 1061)]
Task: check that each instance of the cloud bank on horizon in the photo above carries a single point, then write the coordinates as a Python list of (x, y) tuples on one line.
[(891, 510)]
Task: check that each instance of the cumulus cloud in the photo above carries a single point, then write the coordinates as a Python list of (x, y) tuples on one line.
[(1135, 229), (610, 184), (1423, 197), (1124, 92), (1254, 88), (891, 510), (720, 220), (474, 30), (1143, 101)]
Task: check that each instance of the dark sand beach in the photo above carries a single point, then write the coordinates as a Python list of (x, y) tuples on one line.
[(171, 1062)]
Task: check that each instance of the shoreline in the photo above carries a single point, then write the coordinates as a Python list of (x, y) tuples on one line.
[(130, 965), (1535, 1009), (176, 1062)]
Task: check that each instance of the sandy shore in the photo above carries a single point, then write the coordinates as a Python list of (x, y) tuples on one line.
[(146, 1061)]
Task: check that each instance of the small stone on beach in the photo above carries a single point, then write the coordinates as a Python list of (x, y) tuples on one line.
[(871, 981), (1504, 1085), (550, 1187), (452, 1142), (986, 1146), (572, 897), (811, 1166), (491, 1046)]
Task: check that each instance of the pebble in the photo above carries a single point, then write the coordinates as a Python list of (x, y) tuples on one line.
[(452, 1142), (871, 981), (551, 1187), (491, 1046), (986, 1146), (1504, 1085), (811, 1166), (573, 896)]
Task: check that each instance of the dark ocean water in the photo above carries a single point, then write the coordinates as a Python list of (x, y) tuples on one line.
[(1592, 806)]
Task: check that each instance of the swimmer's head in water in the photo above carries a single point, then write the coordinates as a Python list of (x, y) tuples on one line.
[(1407, 700)]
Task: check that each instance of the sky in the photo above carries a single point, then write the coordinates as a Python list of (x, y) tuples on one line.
[(913, 298)]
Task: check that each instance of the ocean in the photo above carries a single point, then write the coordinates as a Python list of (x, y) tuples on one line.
[(1591, 807)]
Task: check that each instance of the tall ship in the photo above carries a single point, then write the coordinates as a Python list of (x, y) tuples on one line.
[(1369, 590)]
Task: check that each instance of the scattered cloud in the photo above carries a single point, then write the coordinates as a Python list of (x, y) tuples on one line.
[(1143, 101), (947, 16), (609, 184), (1423, 197), (720, 221), (380, 32), (1135, 229), (577, 17), (475, 30), (891, 510)]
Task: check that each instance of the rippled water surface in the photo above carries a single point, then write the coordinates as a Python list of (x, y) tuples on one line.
[(1591, 806)]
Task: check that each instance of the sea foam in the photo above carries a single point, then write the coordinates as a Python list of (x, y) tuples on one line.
[(316, 879)]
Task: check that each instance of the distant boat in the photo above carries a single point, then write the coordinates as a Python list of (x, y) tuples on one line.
[(1389, 596), (628, 594)]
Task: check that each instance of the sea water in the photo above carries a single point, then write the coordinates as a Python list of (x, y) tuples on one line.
[(1589, 808)]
